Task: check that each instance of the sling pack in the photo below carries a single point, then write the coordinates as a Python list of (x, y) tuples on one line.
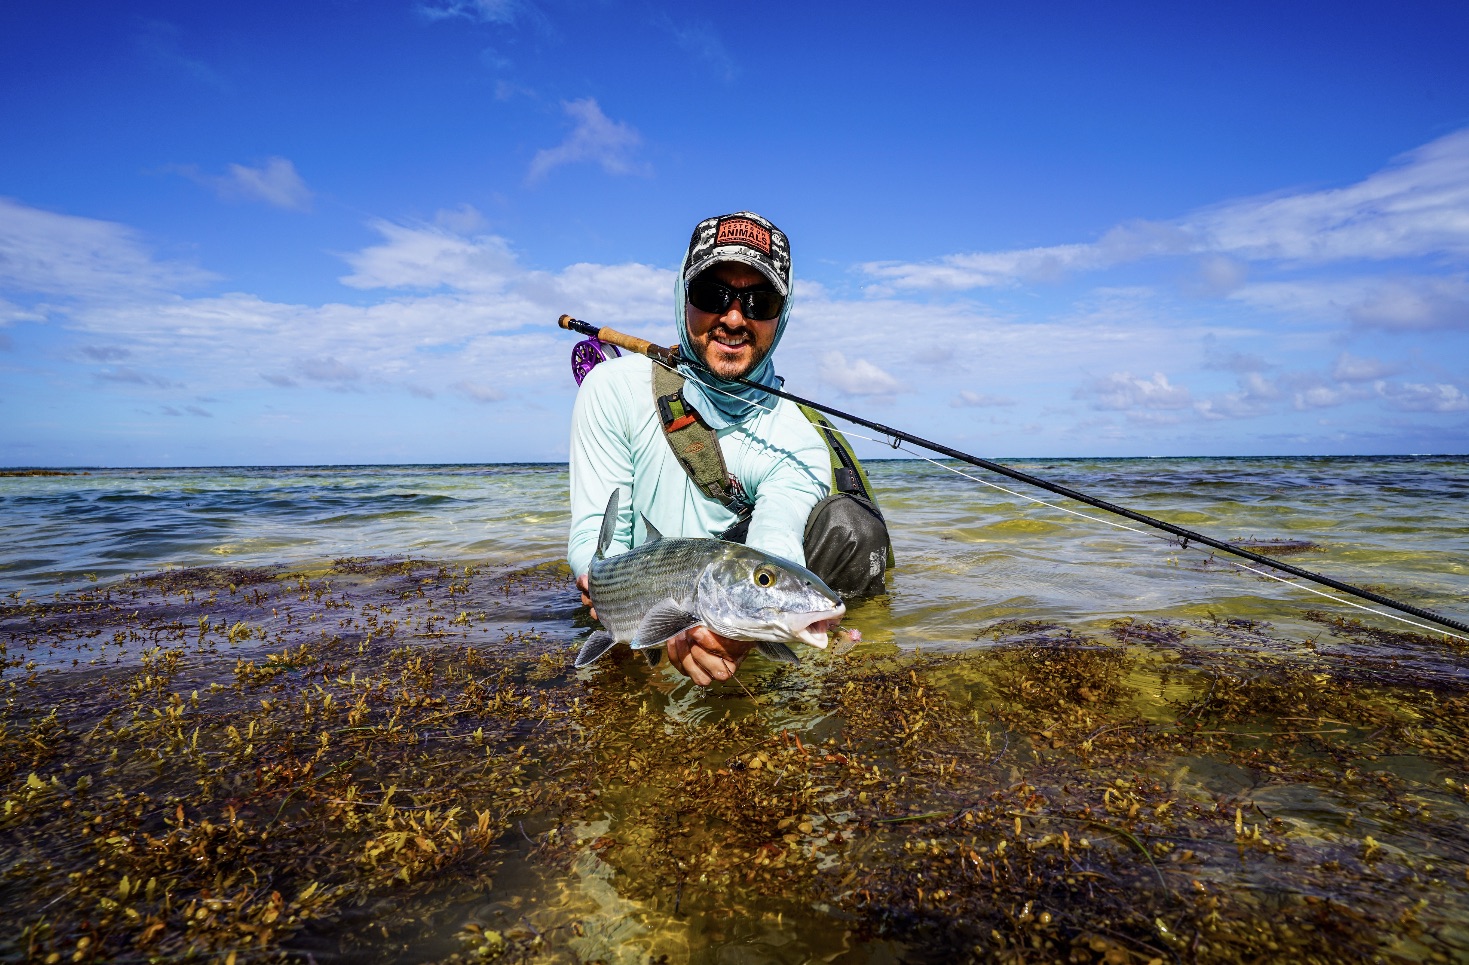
[(696, 446)]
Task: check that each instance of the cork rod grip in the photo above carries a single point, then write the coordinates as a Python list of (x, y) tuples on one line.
[(613, 337)]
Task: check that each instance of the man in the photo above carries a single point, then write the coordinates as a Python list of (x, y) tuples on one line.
[(732, 304)]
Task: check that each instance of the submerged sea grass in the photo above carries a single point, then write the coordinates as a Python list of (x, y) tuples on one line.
[(395, 761)]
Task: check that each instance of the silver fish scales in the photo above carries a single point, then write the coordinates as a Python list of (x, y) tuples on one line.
[(668, 584)]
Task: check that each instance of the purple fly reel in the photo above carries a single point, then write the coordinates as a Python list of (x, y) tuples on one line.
[(586, 354)]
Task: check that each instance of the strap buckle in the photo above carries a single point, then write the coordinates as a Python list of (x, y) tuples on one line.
[(674, 413)]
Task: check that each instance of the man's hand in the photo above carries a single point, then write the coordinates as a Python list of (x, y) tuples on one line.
[(586, 601), (704, 656)]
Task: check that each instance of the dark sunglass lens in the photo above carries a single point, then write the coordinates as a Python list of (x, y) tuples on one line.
[(709, 296), (761, 306)]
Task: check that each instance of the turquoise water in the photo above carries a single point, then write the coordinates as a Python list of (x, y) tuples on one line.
[(967, 553)]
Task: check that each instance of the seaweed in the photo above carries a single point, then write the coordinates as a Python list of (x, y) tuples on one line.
[(394, 760)]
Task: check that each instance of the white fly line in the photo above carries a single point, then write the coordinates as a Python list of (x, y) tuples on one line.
[(898, 444)]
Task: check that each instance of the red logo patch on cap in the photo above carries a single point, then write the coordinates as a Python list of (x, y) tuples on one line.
[(743, 231)]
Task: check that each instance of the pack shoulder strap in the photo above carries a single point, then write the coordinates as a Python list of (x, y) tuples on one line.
[(847, 474), (694, 444)]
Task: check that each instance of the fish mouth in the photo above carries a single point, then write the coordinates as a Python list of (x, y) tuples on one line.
[(803, 625)]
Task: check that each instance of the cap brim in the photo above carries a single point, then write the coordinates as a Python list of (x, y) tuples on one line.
[(741, 254)]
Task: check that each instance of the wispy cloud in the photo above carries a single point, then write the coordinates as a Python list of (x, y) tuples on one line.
[(162, 43), (966, 398), (1422, 304), (479, 11), (328, 369), (274, 181), (857, 377), (480, 392), (702, 42), (427, 256), (105, 353), (1416, 207), (1352, 368), (132, 376), (594, 138), (57, 254), (444, 309)]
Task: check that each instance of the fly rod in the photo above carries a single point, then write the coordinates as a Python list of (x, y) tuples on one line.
[(673, 357)]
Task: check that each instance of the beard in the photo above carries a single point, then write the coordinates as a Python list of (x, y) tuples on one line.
[(725, 367)]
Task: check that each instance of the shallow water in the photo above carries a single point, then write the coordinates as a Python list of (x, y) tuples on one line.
[(1057, 741), (967, 553)]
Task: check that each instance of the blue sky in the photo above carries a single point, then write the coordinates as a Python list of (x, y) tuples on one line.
[(341, 232)]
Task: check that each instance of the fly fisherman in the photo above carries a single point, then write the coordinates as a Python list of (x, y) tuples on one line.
[(703, 456)]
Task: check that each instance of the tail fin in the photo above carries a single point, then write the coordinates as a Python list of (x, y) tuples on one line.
[(609, 524)]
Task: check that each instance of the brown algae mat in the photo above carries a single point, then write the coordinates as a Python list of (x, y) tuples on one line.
[(394, 761)]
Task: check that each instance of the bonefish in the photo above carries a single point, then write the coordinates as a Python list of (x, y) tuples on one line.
[(668, 584)]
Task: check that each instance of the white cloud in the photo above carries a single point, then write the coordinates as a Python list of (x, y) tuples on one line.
[(595, 138), (857, 377), (328, 369), (1256, 397), (453, 308), (480, 392), (1422, 304), (481, 11), (1124, 391), (451, 313), (1417, 206), (1323, 397), (1417, 397), (430, 256), (1400, 304), (1350, 368), (42, 252), (979, 400), (274, 181)]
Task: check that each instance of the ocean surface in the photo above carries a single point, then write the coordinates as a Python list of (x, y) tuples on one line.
[(968, 554), (1057, 739)]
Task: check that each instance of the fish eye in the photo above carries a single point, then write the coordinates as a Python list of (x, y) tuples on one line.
[(764, 576)]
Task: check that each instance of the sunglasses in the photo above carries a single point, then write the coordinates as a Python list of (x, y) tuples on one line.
[(758, 303)]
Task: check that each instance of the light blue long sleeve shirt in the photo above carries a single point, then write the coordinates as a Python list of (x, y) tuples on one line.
[(616, 441)]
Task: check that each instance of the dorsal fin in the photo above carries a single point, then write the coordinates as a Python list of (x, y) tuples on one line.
[(609, 524), (653, 534)]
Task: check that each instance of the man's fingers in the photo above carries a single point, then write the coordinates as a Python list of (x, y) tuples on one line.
[(715, 665), (689, 666), (586, 600)]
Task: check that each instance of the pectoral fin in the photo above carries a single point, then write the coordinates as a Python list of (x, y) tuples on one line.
[(595, 645), (662, 622), (777, 651), (654, 654)]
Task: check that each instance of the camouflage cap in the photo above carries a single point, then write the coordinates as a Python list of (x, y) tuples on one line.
[(744, 237)]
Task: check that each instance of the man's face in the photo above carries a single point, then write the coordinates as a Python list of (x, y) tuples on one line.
[(731, 345)]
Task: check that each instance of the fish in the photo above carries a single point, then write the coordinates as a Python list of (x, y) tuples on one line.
[(669, 584)]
